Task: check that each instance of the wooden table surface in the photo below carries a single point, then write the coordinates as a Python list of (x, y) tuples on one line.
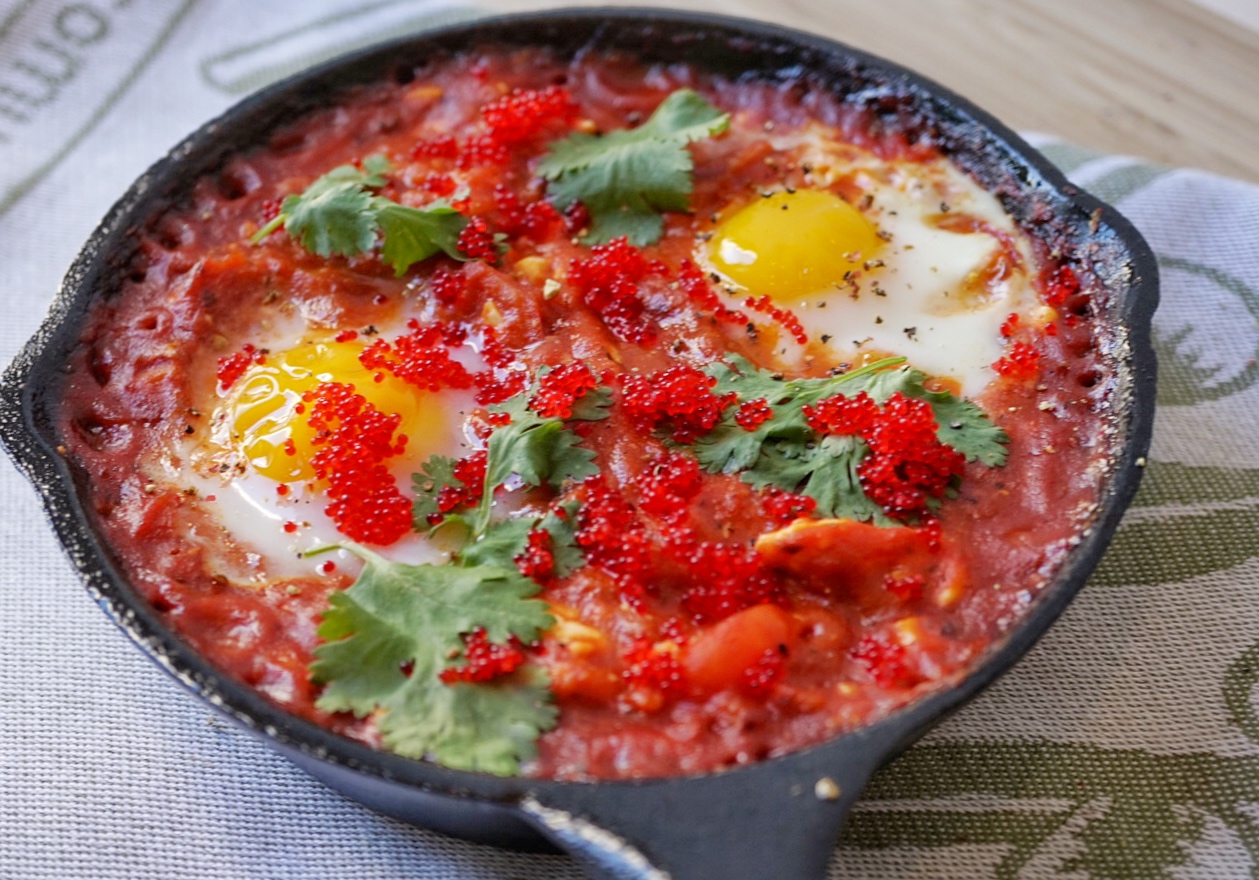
[(1163, 79)]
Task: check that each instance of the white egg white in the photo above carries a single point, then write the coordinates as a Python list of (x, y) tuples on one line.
[(276, 530), (908, 300)]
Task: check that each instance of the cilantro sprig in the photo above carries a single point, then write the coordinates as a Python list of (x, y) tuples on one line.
[(388, 637), (535, 449), (505, 539), (626, 178), (340, 214), (784, 451)]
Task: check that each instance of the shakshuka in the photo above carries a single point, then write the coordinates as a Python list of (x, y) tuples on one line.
[(588, 419)]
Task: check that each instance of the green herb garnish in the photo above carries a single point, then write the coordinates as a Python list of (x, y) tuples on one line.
[(340, 214), (389, 636), (627, 178), (535, 449), (786, 452)]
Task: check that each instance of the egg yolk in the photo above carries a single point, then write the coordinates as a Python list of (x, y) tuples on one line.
[(791, 245), (276, 438)]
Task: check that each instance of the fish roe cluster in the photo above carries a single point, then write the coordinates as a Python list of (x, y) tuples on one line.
[(496, 386), (510, 121), (908, 467), (484, 660), (729, 577), (1060, 285), (533, 220), (419, 358), (759, 678), (679, 400), (505, 378), (493, 351), (477, 242), (886, 661), (353, 440), (526, 113), (271, 209), (668, 484), (1021, 361), (785, 507), (537, 561), (440, 185), (448, 286), (482, 150), (701, 293), (840, 415), (608, 282), (560, 389), (785, 318), (470, 472), (231, 368), (653, 666), (612, 538), (753, 413)]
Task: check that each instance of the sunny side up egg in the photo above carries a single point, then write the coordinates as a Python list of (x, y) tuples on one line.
[(913, 259), (255, 464)]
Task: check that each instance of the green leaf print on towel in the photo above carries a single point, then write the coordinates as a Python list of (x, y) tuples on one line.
[(1209, 514), (1191, 368), (1052, 809)]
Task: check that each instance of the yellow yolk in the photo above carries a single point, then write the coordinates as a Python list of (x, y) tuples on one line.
[(277, 439), (791, 245)]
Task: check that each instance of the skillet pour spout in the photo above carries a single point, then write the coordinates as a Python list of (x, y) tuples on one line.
[(775, 819)]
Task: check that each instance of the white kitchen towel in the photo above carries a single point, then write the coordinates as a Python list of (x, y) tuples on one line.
[(1126, 745)]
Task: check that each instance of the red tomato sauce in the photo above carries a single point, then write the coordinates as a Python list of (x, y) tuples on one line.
[(713, 623)]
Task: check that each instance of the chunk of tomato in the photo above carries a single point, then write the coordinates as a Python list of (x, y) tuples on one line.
[(717, 657)]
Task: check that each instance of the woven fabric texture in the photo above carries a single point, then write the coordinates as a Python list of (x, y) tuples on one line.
[(1126, 745)]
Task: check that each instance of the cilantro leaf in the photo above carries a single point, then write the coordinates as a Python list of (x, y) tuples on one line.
[(339, 214), (333, 216), (627, 178), (434, 474), (826, 471), (785, 452), (412, 235), (594, 405), (562, 527), (504, 540), (966, 428), (535, 449), (388, 637)]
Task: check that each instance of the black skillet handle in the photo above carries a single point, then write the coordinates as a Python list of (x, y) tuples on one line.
[(774, 821)]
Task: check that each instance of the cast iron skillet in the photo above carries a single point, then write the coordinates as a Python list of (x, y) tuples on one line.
[(775, 819)]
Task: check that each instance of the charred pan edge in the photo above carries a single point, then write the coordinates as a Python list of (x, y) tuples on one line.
[(1031, 189)]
